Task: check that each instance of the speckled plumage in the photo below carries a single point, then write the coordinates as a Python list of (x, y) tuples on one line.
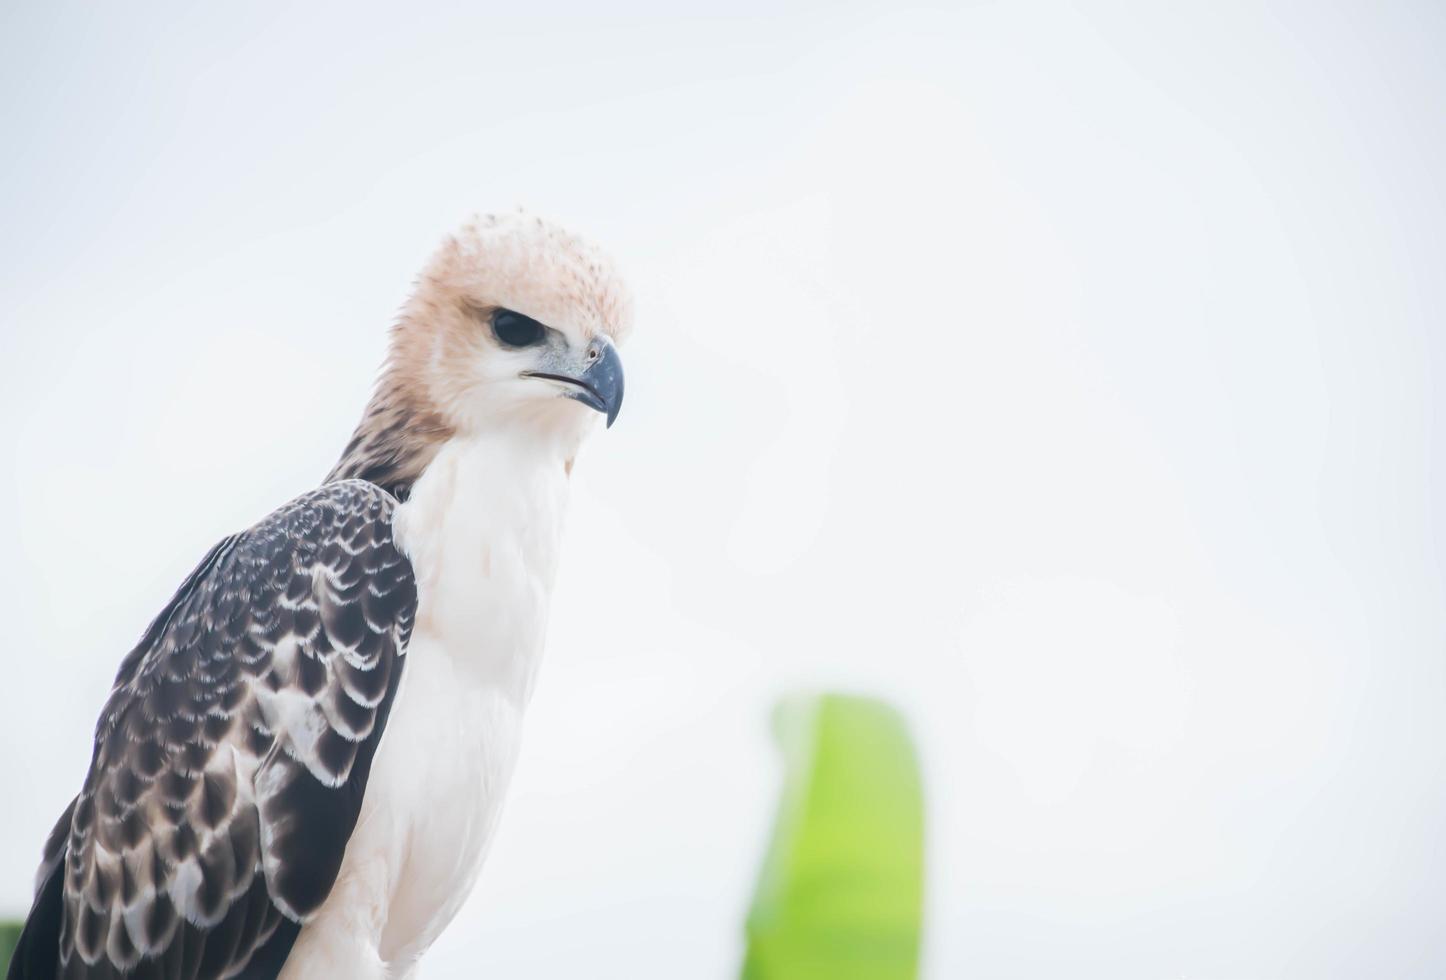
[(267, 796), (231, 753)]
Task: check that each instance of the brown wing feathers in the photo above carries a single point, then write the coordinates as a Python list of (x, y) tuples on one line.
[(232, 754)]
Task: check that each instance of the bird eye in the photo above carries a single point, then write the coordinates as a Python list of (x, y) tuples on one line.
[(516, 330)]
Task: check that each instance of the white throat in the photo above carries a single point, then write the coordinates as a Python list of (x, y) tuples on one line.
[(482, 527)]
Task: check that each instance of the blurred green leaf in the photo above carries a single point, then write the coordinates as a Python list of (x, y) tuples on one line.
[(841, 892), (9, 936)]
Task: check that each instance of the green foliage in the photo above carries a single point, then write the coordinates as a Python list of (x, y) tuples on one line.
[(841, 892), (9, 936)]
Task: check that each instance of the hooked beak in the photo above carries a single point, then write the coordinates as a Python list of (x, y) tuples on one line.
[(596, 379)]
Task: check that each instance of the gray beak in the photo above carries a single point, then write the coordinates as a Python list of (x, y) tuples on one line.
[(599, 382)]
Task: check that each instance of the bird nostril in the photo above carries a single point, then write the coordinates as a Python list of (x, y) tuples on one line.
[(592, 354)]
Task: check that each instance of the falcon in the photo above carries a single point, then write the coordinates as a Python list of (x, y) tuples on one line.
[(301, 764)]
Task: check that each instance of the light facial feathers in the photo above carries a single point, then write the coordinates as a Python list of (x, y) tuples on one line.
[(448, 374)]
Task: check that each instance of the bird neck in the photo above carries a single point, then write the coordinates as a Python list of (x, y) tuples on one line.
[(392, 445)]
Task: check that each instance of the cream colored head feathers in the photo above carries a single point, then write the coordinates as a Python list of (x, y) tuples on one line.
[(524, 263), (450, 370)]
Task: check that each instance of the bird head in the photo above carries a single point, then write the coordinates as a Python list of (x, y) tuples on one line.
[(513, 327), (515, 322)]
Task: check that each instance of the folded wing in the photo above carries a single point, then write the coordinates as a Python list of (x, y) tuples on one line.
[(232, 755)]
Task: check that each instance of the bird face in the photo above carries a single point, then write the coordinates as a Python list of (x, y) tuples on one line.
[(516, 323), (530, 362)]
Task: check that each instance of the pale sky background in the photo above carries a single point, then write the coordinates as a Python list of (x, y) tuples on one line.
[(1068, 374)]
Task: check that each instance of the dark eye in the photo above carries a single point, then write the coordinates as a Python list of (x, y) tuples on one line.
[(516, 330)]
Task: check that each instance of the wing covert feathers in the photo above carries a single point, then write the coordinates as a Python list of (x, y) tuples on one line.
[(232, 754)]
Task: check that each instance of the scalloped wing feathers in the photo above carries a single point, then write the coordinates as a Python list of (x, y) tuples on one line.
[(233, 752)]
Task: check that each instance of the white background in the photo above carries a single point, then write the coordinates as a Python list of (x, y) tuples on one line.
[(1068, 374)]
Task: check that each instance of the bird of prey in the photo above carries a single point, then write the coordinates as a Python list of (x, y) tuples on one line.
[(301, 763)]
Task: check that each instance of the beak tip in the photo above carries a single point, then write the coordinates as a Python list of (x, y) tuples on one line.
[(609, 380), (599, 387)]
